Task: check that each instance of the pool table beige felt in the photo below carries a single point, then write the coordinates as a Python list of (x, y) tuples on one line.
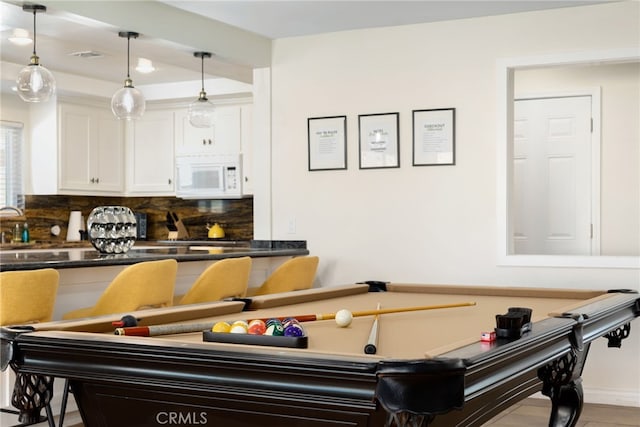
[(430, 367)]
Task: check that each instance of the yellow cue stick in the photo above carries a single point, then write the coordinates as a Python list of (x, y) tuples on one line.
[(372, 343), (394, 310)]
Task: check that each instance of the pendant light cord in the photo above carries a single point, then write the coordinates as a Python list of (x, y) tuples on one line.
[(34, 32), (202, 71), (128, 54)]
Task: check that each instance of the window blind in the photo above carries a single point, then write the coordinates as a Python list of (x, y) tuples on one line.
[(11, 185)]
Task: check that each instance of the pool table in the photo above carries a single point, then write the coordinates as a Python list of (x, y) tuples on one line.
[(430, 368)]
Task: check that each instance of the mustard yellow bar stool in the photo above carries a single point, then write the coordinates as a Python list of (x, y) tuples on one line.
[(292, 275), (226, 278), (28, 297), (147, 284), (143, 285)]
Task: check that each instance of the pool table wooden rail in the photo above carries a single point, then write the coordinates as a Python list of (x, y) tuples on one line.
[(241, 385)]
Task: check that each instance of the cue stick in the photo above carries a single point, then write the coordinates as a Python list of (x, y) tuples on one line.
[(154, 330), (372, 342)]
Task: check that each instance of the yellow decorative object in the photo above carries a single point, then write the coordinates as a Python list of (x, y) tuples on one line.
[(226, 278), (27, 296), (215, 232), (294, 274), (143, 285)]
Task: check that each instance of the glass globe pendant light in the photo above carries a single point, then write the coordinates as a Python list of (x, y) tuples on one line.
[(35, 83), (128, 102), (201, 110)]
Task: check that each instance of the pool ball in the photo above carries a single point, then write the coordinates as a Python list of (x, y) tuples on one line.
[(293, 329), (239, 327), (344, 318), (257, 327), (274, 327), (221, 327)]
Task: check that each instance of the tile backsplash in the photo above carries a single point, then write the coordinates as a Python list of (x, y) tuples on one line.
[(234, 215)]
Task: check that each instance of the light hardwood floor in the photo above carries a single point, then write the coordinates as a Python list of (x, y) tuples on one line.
[(535, 412), (528, 413)]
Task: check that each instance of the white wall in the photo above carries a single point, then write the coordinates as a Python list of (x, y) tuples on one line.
[(427, 224)]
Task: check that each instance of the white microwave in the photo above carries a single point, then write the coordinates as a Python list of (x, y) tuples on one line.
[(209, 176)]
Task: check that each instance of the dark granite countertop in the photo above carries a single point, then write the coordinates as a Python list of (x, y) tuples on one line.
[(183, 251)]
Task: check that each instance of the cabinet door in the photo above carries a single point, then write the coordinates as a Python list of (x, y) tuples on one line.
[(227, 130), (75, 149), (192, 140), (91, 155), (109, 149), (151, 154)]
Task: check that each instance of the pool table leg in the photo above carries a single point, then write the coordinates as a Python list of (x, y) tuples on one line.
[(562, 383), (32, 393)]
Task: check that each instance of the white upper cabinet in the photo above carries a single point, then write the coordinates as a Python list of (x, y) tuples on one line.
[(189, 139), (150, 154), (90, 151), (223, 138)]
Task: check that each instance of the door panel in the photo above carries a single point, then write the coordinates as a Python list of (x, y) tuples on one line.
[(552, 176)]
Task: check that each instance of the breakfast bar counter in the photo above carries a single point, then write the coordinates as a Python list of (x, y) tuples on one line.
[(80, 257)]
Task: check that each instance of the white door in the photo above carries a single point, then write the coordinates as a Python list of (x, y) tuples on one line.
[(552, 176)]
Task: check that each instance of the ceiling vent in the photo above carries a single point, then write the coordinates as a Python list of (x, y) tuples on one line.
[(87, 54)]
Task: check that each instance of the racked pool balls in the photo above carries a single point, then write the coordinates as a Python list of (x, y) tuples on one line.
[(239, 327), (257, 327), (274, 327), (293, 329), (221, 327)]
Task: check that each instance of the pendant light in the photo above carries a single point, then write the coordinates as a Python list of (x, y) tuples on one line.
[(35, 83), (128, 102), (201, 110)]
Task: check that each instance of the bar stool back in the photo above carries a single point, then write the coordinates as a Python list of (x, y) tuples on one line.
[(292, 275), (226, 278), (28, 297)]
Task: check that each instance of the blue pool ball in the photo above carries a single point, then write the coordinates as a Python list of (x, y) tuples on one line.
[(293, 330)]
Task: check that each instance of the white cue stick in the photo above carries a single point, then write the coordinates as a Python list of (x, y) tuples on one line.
[(372, 343)]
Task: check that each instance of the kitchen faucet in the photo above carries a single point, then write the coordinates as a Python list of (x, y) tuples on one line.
[(18, 211)]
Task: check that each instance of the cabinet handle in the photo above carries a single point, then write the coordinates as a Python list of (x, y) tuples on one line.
[(169, 181), (92, 180), (204, 141), (246, 179), (210, 142), (97, 180)]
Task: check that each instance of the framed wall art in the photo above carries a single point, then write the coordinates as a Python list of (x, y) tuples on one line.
[(379, 140), (434, 134), (327, 138)]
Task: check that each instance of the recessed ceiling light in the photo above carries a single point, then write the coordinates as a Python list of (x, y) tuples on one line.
[(87, 54), (20, 37), (145, 66)]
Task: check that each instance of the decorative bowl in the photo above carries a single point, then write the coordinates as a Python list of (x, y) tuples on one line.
[(111, 229)]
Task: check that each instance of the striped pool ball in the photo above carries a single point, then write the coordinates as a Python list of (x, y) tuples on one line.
[(239, 327), (274, 327)]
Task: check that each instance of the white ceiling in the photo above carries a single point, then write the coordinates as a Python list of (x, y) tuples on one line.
[(282, 18), (237, 32)]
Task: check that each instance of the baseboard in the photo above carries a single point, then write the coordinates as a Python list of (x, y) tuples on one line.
[(603, 396), (612, 397)]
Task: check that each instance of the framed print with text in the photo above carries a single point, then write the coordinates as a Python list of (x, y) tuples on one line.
[(379, 140), (327, 143), (434, 137)]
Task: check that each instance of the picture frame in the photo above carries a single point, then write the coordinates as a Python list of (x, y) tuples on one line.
[(434, 137), (379, 140), (327, 143)]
